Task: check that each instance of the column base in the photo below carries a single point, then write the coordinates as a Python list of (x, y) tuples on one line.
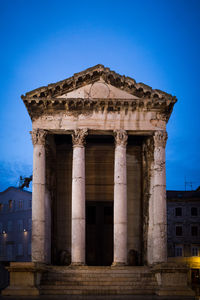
[(172, 280), (24, 279), (118, 264), (77, 264)]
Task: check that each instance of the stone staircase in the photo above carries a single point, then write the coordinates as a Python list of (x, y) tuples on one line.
[(98, 281)]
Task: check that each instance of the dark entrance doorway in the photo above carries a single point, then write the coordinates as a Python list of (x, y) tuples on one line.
[(99, 233)]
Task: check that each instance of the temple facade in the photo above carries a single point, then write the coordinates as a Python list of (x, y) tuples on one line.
[(99, 170), (99, 184)]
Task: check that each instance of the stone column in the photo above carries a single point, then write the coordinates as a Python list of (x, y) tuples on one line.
[(158, 208), (120, 199), (147, 159), (78, 197), (39, 246)]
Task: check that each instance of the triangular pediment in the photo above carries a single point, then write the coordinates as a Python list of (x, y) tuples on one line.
[(93, 75), (98, 90)]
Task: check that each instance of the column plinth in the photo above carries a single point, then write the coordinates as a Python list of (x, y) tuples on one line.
[(120, 199), (78, 197)]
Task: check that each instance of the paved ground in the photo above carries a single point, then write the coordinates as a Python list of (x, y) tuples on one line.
[(124, 297)]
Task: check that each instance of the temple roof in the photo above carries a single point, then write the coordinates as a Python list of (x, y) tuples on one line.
[(128, 90)]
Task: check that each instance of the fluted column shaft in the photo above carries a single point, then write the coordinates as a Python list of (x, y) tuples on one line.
[(78, 197), (120, 199), (39, 246)]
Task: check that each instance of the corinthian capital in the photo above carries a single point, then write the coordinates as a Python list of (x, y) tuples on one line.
[(120, 137), (38, 136), (78, 137), (160, 138)]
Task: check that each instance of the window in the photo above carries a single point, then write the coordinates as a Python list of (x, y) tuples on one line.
[(178, 211), (179, 230), (10, 226), (20, 204), (179, 250), (20, 249), (20, 225), (10, 204), (1, 206), (194, 230), (195, 251), (194, 211)]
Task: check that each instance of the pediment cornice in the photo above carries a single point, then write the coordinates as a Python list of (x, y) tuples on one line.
[(49, 98), (92, 75)]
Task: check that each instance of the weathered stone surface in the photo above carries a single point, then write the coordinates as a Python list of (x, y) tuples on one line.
[(98, 83), (99, 89), (136, 121), (172, 280), (78, 197), (99, 281), (41, 216), (38, 205), (24, 279), (120, 198), (157, 228), (130, 173)]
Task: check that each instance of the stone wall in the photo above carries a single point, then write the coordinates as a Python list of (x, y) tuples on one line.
[(62, 207), (134, 203)]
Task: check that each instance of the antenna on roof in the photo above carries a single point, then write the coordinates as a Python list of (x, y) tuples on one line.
[(189, 183)]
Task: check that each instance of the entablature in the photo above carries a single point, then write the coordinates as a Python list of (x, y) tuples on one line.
[(76, 106)]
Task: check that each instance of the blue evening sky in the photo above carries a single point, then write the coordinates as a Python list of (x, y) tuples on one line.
[(156, 42)]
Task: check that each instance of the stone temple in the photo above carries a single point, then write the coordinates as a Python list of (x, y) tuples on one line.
[(99, 189)]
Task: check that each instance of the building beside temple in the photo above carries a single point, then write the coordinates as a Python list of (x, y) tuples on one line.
[(99, 190), (183, 224), (15, 225), (15, 229)]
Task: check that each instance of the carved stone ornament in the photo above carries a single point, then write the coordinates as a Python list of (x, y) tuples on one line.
[(160, 139), (38, 136), (121, 137), (49, 100), (78, 137), (148, 149)]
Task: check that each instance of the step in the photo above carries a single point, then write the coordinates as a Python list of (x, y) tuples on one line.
[(86, 269), (99, 277), (69, 271), (99, 283), (97, 291), (102, 280), (83, 275)]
